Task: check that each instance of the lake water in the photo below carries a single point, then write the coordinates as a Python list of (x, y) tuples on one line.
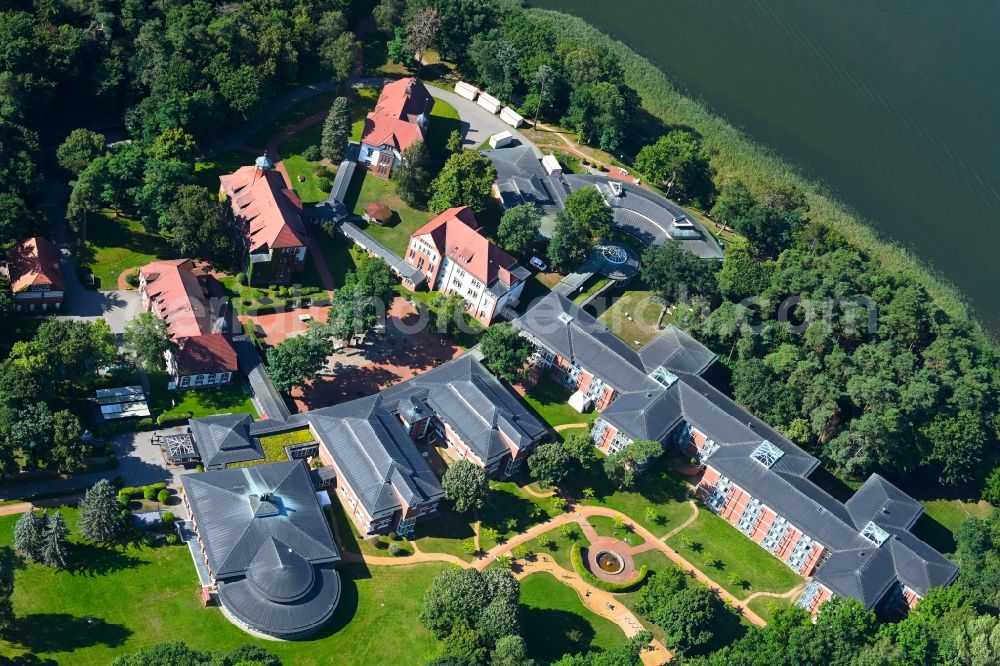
[(894, 104)]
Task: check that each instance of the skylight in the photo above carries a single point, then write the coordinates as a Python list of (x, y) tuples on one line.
[(767, 454), (565, 318), (663, 376), (874, 533)]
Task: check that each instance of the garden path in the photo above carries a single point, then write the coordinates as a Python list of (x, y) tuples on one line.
[(600, 603)]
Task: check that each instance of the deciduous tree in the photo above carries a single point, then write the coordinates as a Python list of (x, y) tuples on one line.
[(146, 340), (678, 163), (79, 150), (297, 359), (676, 274), (518, 229), (505, 352), (465, 180), (414, 174), (202, 225), (550, 464), (465, 485), (623, 466)]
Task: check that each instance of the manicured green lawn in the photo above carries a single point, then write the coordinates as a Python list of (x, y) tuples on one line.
[(592, 288), (308, 188), (633, 317), (549, 399), (445, 533), (114, 245), (765, 607), (120, 600), (605, 526), (362, 104), (365, 189), (658, 488), (510, 510), (556, 543), (556, 622), (444, 121), (228, 398), (943, 517), (738, 555)]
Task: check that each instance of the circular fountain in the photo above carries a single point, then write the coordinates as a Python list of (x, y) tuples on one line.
[(610, 563)]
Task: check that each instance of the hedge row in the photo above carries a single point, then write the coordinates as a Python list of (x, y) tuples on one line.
[(173, 418), (150, 492), (626, 586)]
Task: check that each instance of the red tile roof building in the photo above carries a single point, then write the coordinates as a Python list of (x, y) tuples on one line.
[(271, 215), (36, 279), (191, 304), (399, 119), (456, 258)]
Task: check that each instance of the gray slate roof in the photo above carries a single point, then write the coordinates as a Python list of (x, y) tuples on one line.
[(587, 342), (225, 438), (234, 526), (268, 545), (264, 391), (466, 396)]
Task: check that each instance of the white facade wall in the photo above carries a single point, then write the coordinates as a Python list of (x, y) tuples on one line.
[(371, 154)]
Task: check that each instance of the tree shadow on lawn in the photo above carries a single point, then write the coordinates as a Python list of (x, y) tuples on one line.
[(447, 525), (502, 506), (89, 560), (347, 605), (935, 534), (551, 633), (62, 632)]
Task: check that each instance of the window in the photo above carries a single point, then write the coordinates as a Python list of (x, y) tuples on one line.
[(767, 454), (186, 381), (875, 534), (211, 379)]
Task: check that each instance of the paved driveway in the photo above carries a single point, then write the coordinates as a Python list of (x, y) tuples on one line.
[(478, 124), (140, 463), (115, 307)]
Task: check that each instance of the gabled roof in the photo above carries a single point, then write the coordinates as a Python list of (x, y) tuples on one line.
[(399, 115), (883, 503), (34, 262), (178, 297), (374, 454), (205, 354), (271, 210), (455, 234), (673, 348), (466, 396), (225, 438), (565, 329), (224, 503)]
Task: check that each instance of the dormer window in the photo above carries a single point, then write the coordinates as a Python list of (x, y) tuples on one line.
[(767, 454), (875, 534)]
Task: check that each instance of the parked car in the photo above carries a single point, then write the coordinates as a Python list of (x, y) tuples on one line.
[(539, 264)]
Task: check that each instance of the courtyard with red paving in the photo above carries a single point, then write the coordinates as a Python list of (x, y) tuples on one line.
[(408, 349)]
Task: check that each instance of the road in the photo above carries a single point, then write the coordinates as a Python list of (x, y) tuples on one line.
[(478, 124)]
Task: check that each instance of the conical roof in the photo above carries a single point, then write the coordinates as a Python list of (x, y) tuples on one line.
[(279, 573)]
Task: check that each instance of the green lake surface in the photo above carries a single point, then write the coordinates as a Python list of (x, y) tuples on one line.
[(894, 104)]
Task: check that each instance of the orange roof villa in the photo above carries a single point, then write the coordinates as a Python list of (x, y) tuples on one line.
[(195, 312), (36, 280), (270, 213), (456, 258), (400, 119)]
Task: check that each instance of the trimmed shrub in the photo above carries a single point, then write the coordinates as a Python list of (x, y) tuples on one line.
[(168, 518), (396, 550), (163, 496), (324, 184), (132, 279), (311, 153), (199, 468), (124, 497), (173, 539), (149, 493), (581, 569), (173, 418), (241, 278)]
